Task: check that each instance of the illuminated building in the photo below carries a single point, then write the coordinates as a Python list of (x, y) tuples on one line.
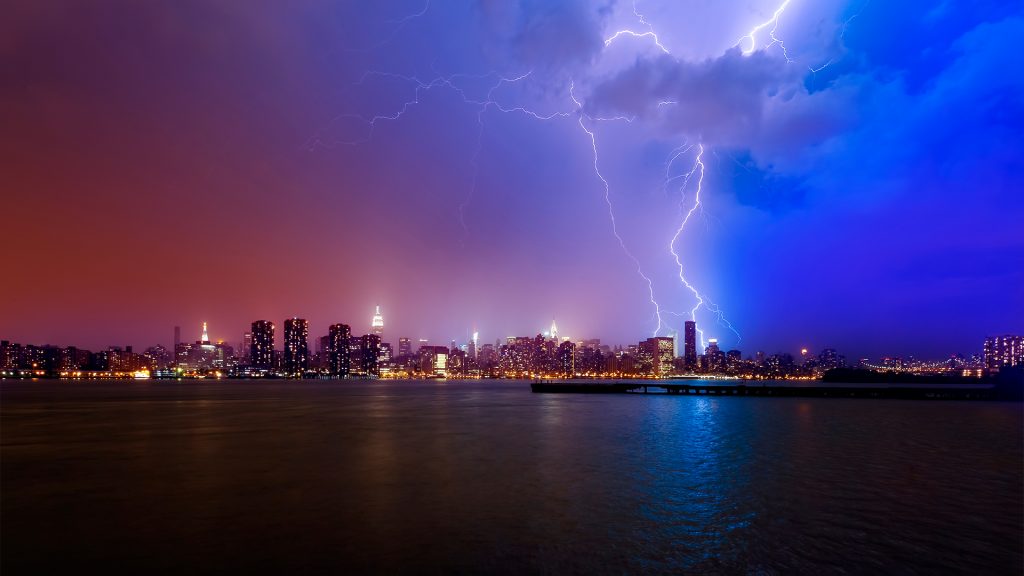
[(338, 349), (714, 356), (657, 352), (433, 360), (566, 358), (377, 324), (404, 346), (369, 356), (690, 344), (487, 358), (261, 352), (829, 359), (10, 355), (1003, 351), (733, 360), (201, 355), (246, 346), (296, 346), (456, 362), (385, 358), (158, 357)]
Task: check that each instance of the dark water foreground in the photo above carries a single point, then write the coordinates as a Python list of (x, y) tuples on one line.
[(357, 477)]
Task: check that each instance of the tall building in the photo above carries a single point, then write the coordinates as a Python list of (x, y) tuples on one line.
[(177, 336), (206, 336), (338, 349), (658, 351), (246, 346), (567, 359), (370, 350), (377, 324), (261, 352), (690, 344), (433, 360), (714, 355), (1003, 351), (296, 346), (404, 347)]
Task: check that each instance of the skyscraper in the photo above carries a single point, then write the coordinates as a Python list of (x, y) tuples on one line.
[(261, 352), (296, 346), (377, 324), (1004, 351), (338, 349), (404, 347), (658, 351), (370, 350), (246, 348), (690, 344)]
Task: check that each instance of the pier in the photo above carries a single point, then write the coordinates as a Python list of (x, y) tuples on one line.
[(901, 392)]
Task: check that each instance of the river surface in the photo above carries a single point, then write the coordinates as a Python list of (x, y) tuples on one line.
[(154, 477)]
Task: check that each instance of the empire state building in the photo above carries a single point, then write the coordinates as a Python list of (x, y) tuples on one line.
[(377, 325)]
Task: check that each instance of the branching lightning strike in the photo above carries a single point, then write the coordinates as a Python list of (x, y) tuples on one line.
[(748, 44), (611, 211)]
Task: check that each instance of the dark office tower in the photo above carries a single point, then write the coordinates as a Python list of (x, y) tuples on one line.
[(261, 352), (246, 346), (338, 349), (296, 346), (177, 336), (690, 344), (370, 350), (404, 347), (567, 359)]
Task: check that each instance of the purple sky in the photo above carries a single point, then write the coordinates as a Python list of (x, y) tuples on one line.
[(168, 163)]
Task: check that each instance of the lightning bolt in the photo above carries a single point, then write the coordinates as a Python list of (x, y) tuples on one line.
[(611, 210), (752, 35), (748, 44), (399, 24), (650, 33), (698, 170)]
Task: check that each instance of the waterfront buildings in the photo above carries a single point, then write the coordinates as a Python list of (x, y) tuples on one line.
[(338, 350), (1003, 351), (690, 346), (296, 346), (261, 352)]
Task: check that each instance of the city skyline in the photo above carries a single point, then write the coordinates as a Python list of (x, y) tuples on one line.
[(789, 174), (263, 338)]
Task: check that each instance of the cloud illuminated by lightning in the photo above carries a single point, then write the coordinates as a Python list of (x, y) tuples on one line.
[(774, 23), (748, 44)]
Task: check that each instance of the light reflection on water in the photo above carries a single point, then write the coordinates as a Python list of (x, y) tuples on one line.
[(168, 477)]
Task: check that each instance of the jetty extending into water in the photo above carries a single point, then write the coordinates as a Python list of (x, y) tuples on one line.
[(995, 391)]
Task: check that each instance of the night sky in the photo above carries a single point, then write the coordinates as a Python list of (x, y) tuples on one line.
[(168, 163)]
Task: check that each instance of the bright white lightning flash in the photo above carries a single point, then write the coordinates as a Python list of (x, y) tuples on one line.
[(611, 211), (698, 169), (650, 33), (748, 45), (774, 23)]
